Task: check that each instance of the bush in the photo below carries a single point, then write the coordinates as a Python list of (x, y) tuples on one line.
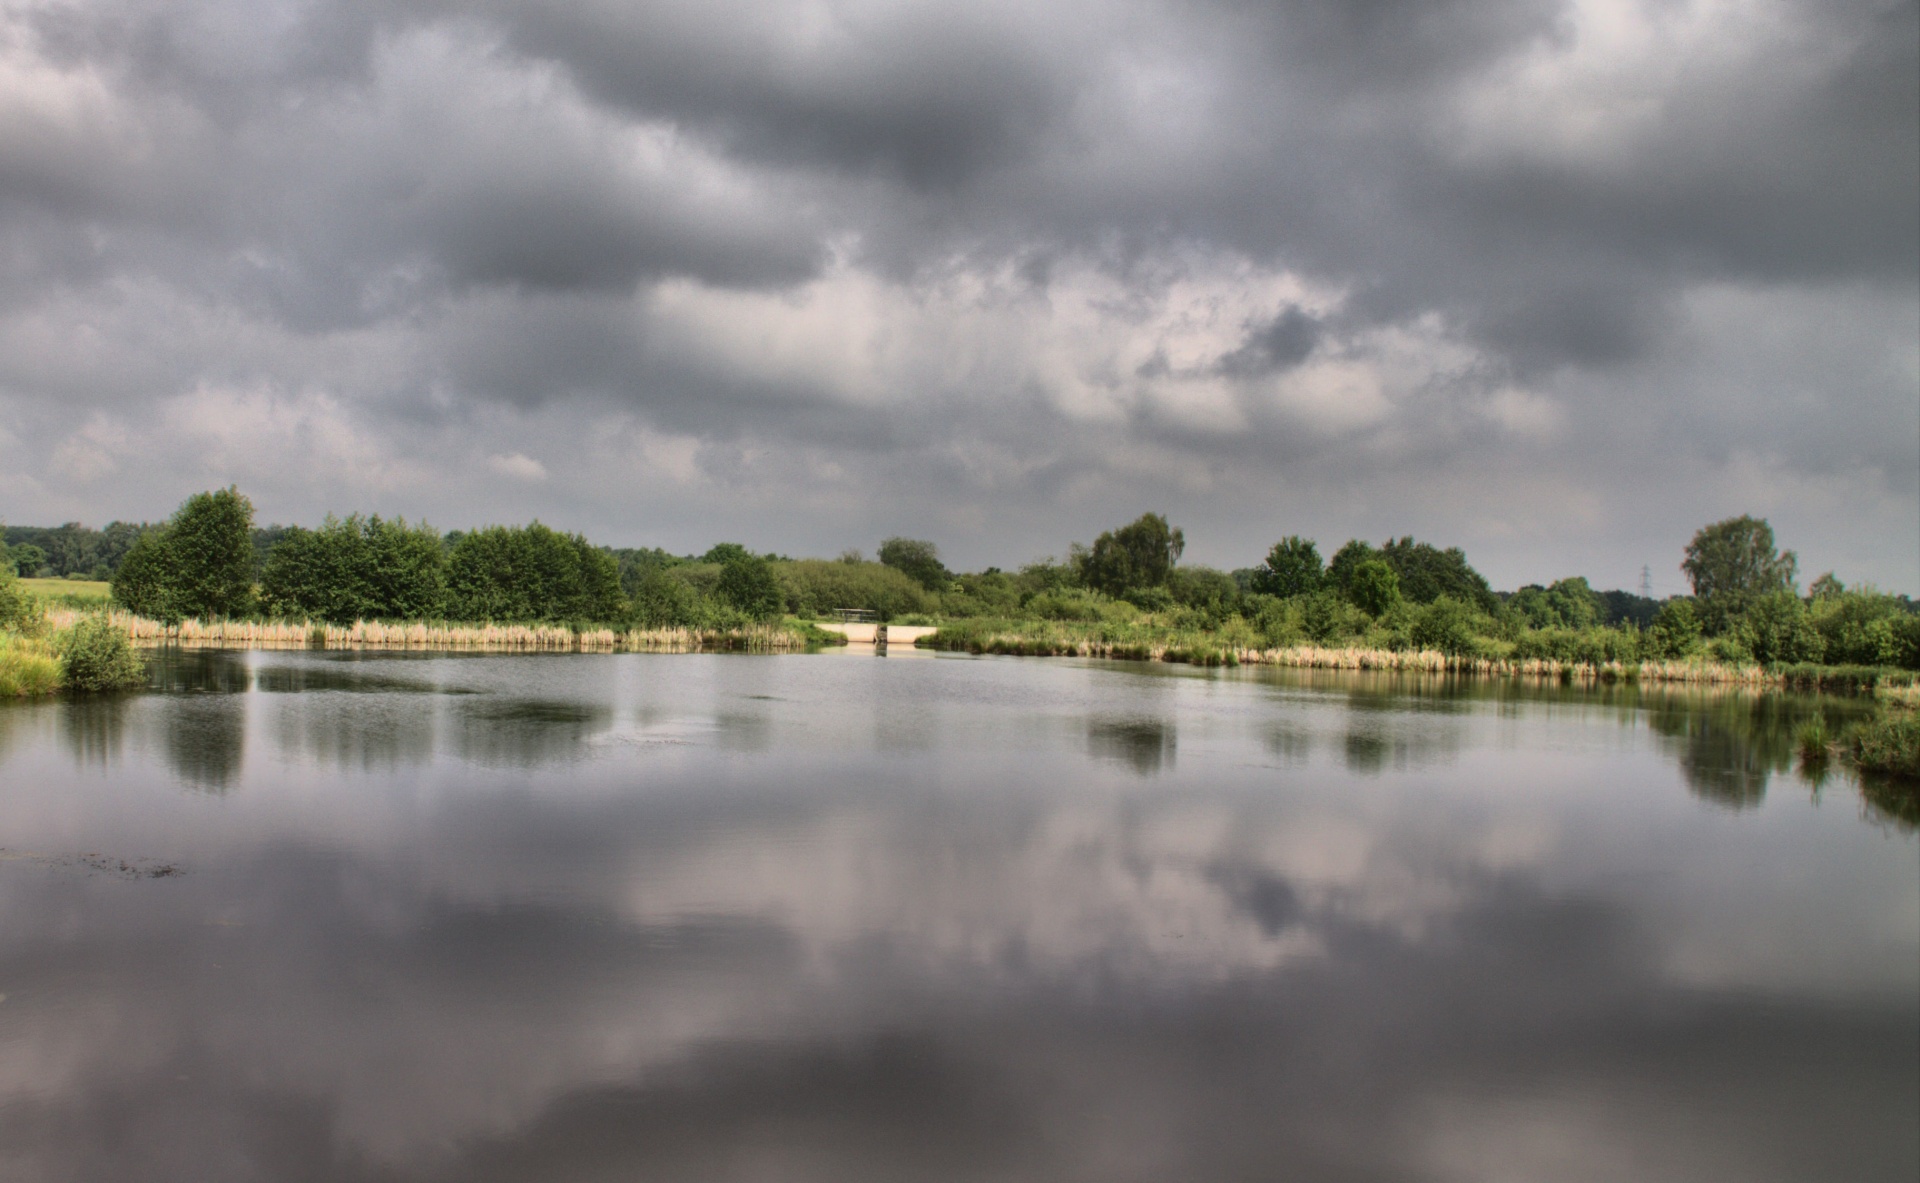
[(1889, 744), (814, 586), (662, 601), (1446, 625), (18, 612), (749, 585), (1676, 630), (1776, 627), (95, 656)]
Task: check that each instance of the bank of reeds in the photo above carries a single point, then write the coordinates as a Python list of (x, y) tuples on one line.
[(450, 636), (1231, 647)]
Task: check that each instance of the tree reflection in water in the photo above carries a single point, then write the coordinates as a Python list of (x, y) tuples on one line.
[(1145, 745)]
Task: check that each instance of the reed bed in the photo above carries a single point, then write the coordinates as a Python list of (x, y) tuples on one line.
[(441, 635)]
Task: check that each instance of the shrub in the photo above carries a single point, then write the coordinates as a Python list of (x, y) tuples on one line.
[(813, 586), (95, 655), (749, 586), (662, 601), (1776, 627), (18, 612), (1446, 625), (1676, 630), (1889, 744)]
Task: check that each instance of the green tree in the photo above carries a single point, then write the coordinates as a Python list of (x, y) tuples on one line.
[(1426, 573), (1776, 627), (210, 539), (1373, 587), (1448, 625), (1293, 568), (1676, 629), (919, 560), (27, 559), (1140, 555), (145, 581), (750, 585), (357, 569), (17, 609), (725, 552), (1731, 563), (659, 600), (532, 573)]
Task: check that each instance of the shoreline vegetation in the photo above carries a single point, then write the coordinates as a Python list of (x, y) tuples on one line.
[(208, 576)]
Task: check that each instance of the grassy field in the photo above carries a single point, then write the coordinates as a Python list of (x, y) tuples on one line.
[(57, 589)]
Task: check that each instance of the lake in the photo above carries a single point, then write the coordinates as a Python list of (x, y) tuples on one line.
[(836, 917)]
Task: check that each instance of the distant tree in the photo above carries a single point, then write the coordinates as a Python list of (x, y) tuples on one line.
[(1373, 586), (1211, 591), (529, 573), (725, 552), (1427, 573), (1731, 563), (210, 537), (659, 600), (357, 569), (749, 584), (1776, 627), (1293, 568), (1346, 561), (1826, 588), (918, 559), (1140, 555), (1568, 603), (27, 559)]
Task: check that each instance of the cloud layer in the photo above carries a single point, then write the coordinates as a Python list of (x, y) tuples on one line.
[(1555, 281)]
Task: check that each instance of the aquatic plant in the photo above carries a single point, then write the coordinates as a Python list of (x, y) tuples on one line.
[(27, 667), (97, 655), (1889, 744)]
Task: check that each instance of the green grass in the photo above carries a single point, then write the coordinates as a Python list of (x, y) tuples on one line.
[(73, 593), (1889, 744), (28, 667)]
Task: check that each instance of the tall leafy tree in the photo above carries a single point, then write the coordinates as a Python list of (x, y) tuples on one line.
[(1134, 557), (144, 583), (357, 569), (1426, 573), (750, 585), (511, 573), (1373, 587), (919, 560), (1293, 568), (211, 537), (1731, 564)]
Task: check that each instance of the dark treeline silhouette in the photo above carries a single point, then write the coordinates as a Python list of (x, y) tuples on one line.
[(210, 560)]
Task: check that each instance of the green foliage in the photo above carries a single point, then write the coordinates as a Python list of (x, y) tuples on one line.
[(1293, 568), (722, 553), (1732, 562), (1330, 619), (1889, 744), (1206, 590), (1676, 630), (1568, 603), (920, 561), (990, 593), (210, 536), (26, 559), (27, 669), (1346, 561), (531, 573), (1448, 625), (145, 582), (1776, 627), (1072, 603), (814, 586), (74, 548), (1373, 587), (660, 600), (1135, 556), (17, 609), (1426, 573), (1858, 627), (748, 585), (96, 656), (357, 569)]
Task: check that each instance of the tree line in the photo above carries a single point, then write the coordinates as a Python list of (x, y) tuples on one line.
[(209, 559)]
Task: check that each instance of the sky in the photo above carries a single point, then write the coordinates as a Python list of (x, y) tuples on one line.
[(1557, 283)]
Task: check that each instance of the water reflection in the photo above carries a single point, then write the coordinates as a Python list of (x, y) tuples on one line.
[(95, 728), (1729, 745), (174, 670), (525, 733), (206, 740), (789, 953), (1144, 745)]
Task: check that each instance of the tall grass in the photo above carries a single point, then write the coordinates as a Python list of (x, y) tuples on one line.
[(1889, 744), (28, 667)]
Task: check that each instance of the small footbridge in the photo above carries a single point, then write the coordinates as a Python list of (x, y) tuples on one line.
[(861, 627)]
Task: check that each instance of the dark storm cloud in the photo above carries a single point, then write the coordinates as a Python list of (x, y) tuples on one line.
[(1006, 247)]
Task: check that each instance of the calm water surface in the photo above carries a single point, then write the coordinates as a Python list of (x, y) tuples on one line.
[(312, 916)]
